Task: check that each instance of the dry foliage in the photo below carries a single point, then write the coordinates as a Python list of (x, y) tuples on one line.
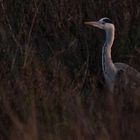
[(51, 84)]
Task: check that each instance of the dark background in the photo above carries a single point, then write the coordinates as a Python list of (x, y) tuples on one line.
[(51, 82)]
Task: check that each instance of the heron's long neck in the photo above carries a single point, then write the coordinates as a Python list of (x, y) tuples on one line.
[(108, 67)]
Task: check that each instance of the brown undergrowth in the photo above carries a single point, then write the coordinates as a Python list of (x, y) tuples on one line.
[(51, 83)]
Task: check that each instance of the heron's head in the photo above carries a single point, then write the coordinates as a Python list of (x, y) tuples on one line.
[(104, 23)]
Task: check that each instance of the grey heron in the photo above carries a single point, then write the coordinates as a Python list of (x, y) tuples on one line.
[(114, 72)]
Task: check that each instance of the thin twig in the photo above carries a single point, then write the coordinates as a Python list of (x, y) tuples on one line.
[(33, 22)]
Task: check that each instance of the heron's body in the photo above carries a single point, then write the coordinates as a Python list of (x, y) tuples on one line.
[(115, 72)]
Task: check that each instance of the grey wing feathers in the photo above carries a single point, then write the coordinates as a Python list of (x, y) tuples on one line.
[(127, 78)]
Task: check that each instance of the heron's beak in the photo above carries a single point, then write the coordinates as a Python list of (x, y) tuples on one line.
[(95, 24)]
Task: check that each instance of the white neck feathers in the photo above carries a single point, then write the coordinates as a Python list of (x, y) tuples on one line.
[(108, 67)]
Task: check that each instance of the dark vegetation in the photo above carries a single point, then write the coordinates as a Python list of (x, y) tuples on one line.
[(51, 83)]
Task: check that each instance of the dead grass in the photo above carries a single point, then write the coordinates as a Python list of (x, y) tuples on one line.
[(51, 86)]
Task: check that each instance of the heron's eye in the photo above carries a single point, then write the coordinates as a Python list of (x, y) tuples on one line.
[(103, 22)]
